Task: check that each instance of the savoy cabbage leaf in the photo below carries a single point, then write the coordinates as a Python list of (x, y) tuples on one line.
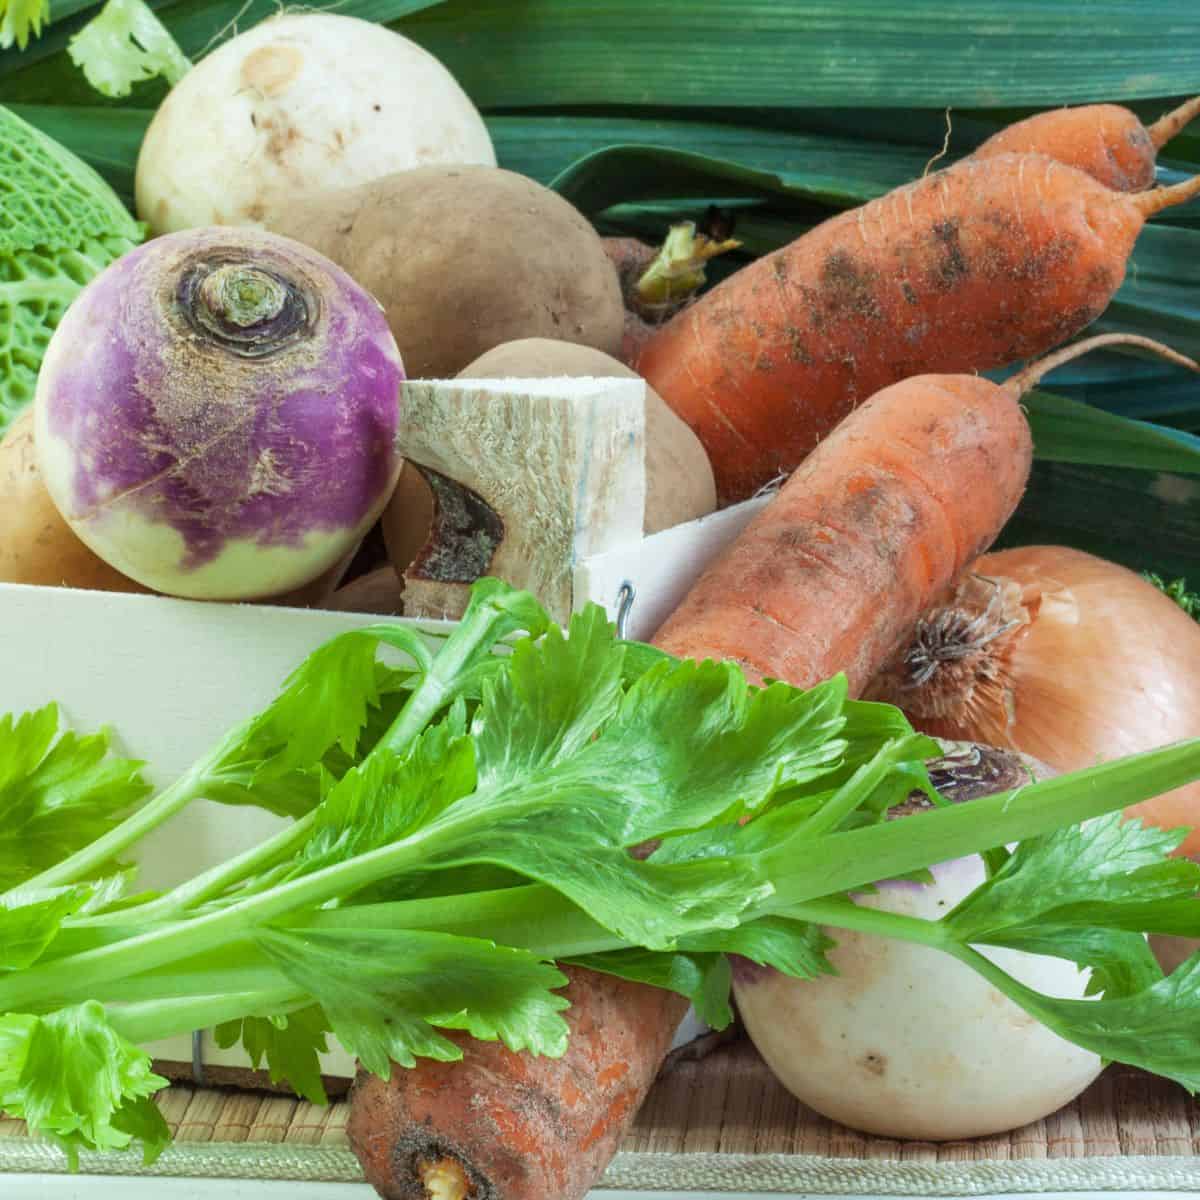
[(60, 226)]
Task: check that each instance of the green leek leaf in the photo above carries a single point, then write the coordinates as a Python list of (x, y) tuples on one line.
[(1146, 520), (1070, 431), (801, 53)]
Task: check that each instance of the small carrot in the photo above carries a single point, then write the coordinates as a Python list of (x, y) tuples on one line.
[(986, 263), (883, 516), (1107, 141)]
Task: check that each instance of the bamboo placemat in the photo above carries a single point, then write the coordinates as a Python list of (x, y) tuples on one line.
[(722, 1122)]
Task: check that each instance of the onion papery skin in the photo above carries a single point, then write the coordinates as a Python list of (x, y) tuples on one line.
[(1073, 660), (216, 416)]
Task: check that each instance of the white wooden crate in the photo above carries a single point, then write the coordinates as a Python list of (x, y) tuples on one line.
[(171, 676)]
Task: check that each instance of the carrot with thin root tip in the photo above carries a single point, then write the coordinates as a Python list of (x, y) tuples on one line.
[(984, 264), (1107, 141), (883, 516)]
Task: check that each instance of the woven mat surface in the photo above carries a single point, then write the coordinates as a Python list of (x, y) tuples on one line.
[(729, 1103)]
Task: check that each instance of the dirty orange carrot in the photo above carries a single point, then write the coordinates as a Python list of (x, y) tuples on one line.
[(504, 1126), (1107, 141), (986, 263), (886, 513)]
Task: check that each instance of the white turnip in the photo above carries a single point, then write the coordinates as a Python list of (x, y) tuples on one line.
[(906, 1041), (297, 104), (216, 414)]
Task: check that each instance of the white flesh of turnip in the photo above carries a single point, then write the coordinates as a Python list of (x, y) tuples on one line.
[(300, 103)]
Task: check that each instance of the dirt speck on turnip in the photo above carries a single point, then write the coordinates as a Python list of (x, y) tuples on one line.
[(875, 1063), (271, 69)]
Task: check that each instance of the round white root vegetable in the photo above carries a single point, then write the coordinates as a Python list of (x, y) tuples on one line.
[(216, 414), (300, 103), (907, 1042)]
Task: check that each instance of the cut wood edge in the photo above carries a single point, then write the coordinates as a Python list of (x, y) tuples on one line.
[(529, 477)]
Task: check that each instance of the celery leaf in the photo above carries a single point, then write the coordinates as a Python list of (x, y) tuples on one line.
[(57, 793), (1107, 859), (21, 18), (384, 991), (699, 968), (30, 921), (69, 1074), (703, 978), (1154, 1028), (124, 44), (1084, 893), (289, 1045)]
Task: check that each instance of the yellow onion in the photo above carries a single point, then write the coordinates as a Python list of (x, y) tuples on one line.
[(1062, 656)]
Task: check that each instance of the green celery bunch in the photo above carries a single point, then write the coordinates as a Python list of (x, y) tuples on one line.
[(464, 824)]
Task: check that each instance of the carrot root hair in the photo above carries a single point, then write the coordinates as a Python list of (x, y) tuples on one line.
[(1155, 200), (1031, 375), (1169, 124)]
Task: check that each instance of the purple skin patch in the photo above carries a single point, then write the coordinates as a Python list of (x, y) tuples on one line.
[(747, 971), (164, 419)]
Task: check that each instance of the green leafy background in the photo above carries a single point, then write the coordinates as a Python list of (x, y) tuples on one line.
[(783, 112)]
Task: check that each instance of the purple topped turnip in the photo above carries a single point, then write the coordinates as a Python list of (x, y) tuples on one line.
[(906, 1041), (216, 414)]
